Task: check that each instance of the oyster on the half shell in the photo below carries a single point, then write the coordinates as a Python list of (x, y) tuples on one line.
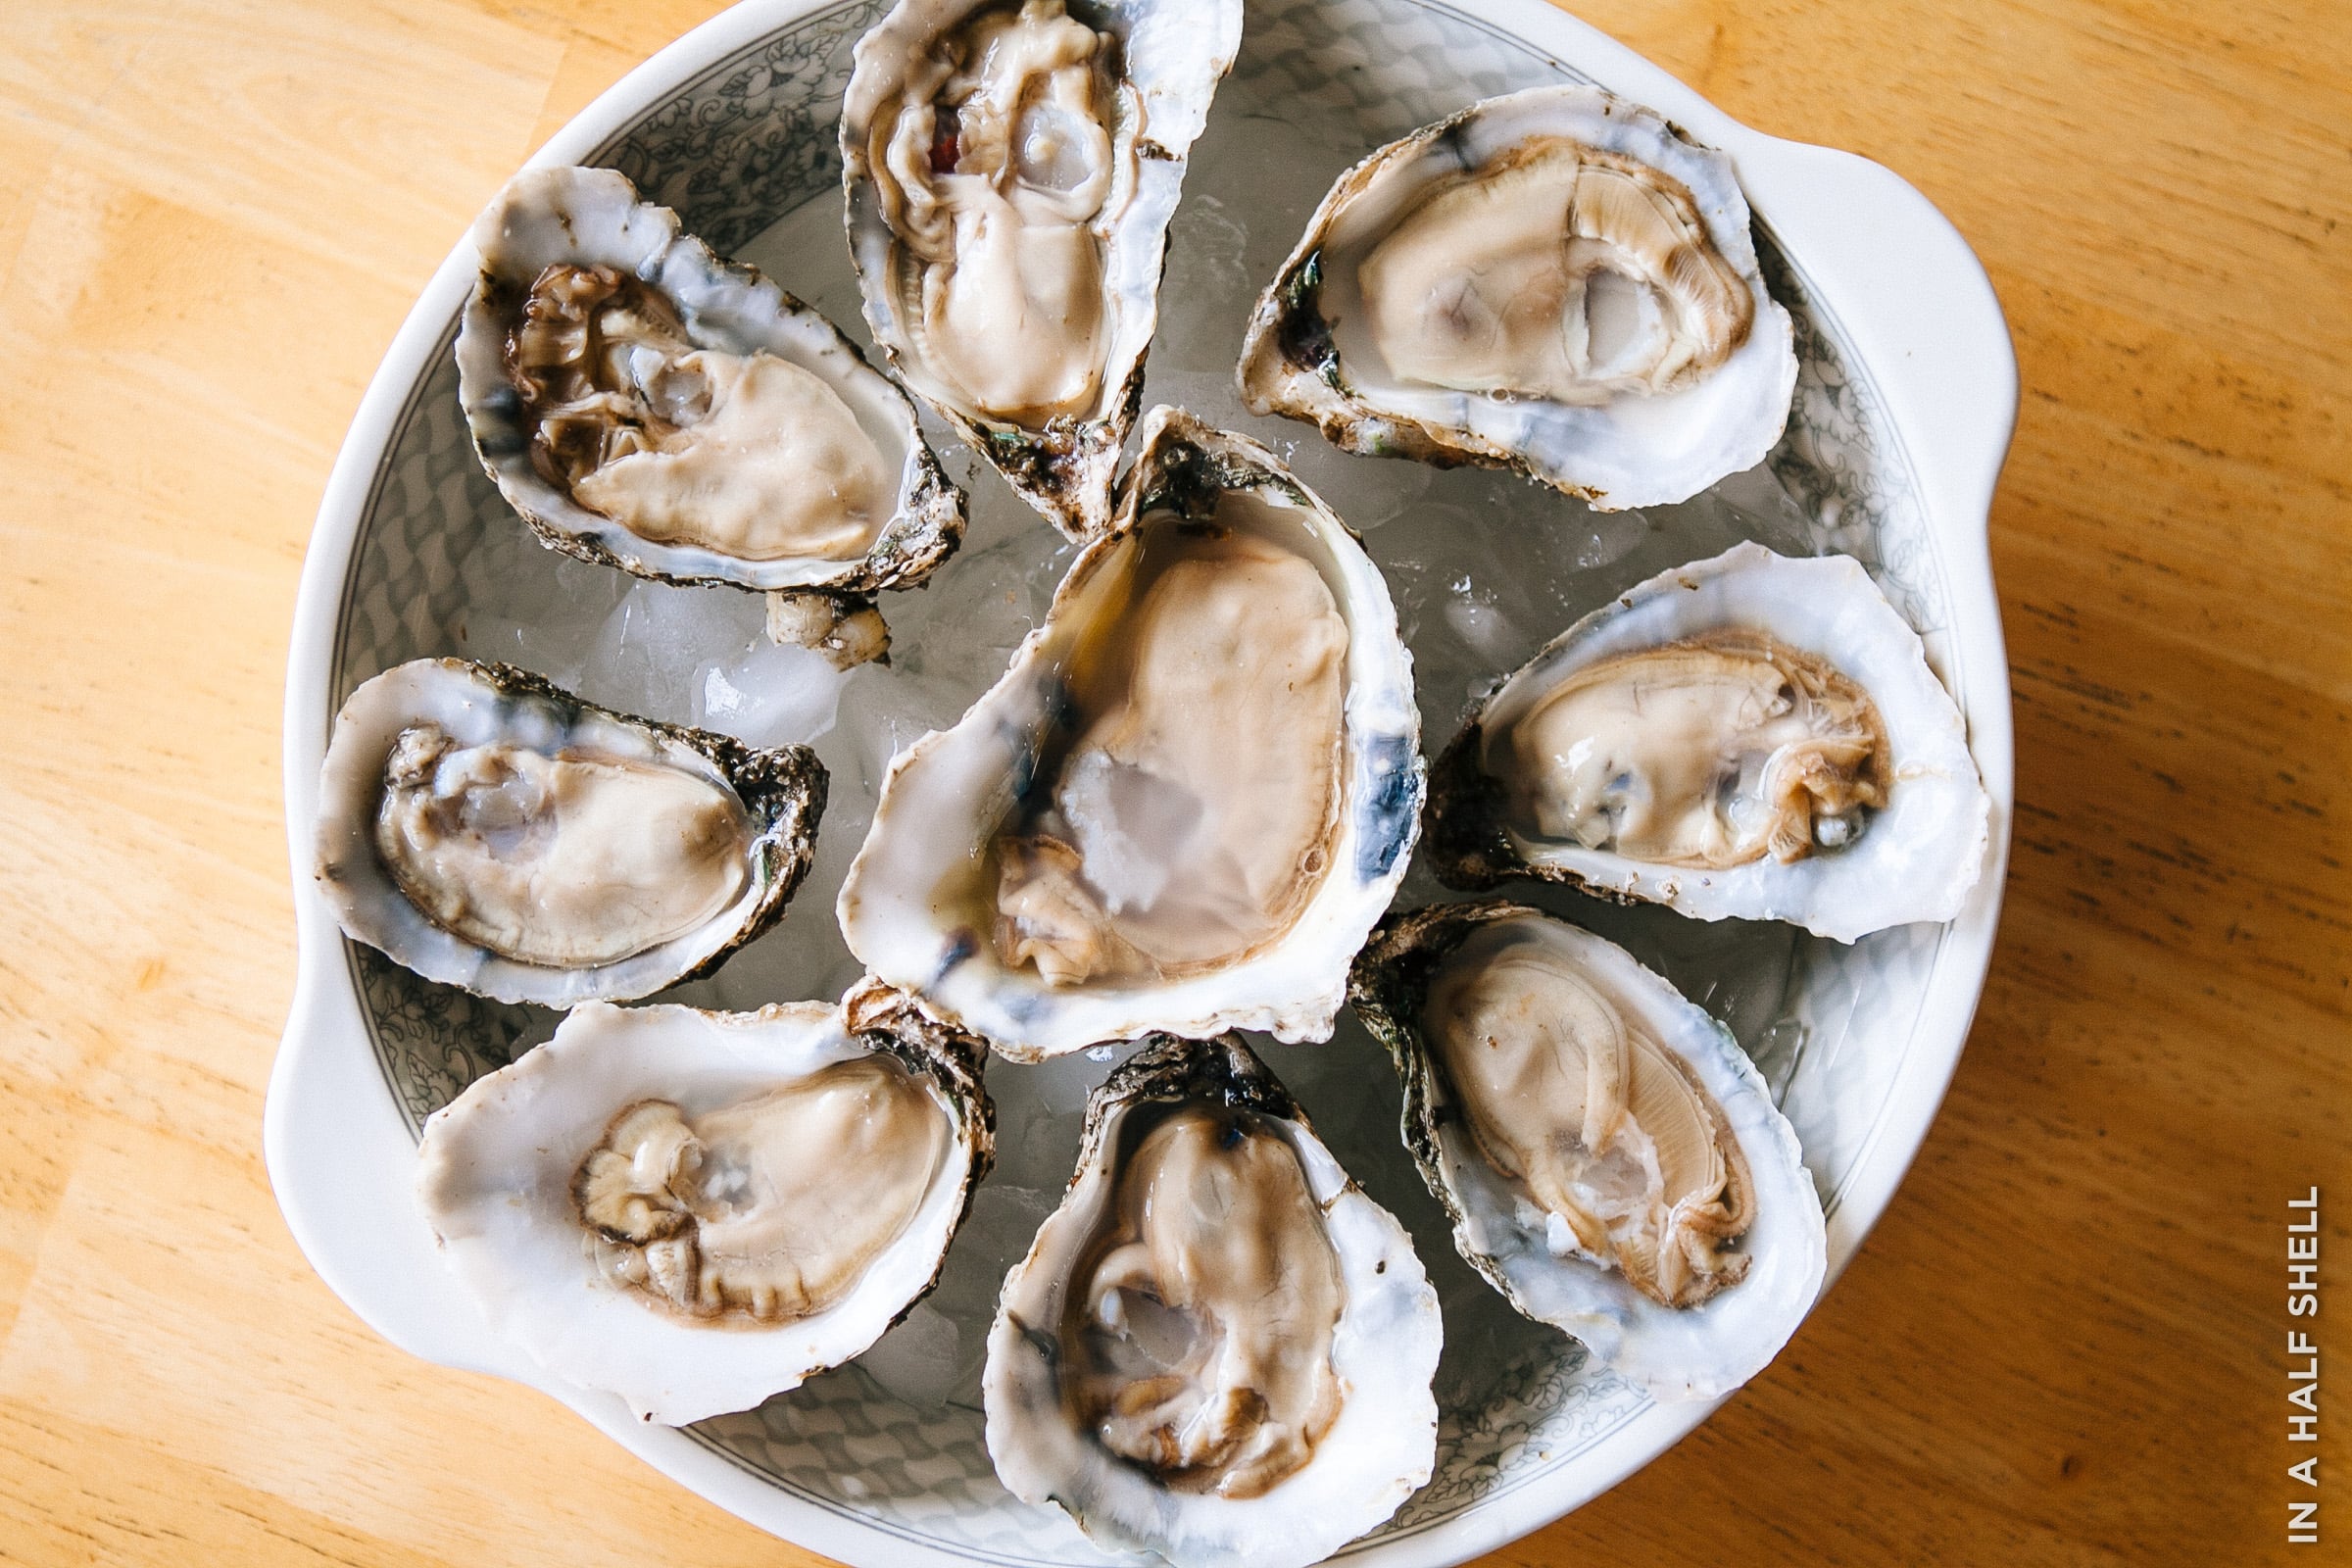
[(1752, 736), (1612, 1161), (1218, 1348), (1188, 798), (648, 405), (488, 829), (1011, 168), (1556, 281), (696, 1210)]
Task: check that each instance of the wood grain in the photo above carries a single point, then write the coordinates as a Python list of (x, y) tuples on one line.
[(2065, 1344)]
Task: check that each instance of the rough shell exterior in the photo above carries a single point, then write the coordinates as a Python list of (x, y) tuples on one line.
[(783, 790), (1174, 55), (946, 795), (1694, 1353), (593, 217), (1918, 858), (1671, 448), (1383, 1445), (497, 1165)]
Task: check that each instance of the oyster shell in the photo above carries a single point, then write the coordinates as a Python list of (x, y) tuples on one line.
[(1010, 170), (1556, 281), (1188, 798), (647, 406), (490, 830), (696, 1210), (1794, 758), (1613, 1163), (1218, 1348)]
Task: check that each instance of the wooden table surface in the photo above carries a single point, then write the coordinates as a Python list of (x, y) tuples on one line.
[(2066, 1342)]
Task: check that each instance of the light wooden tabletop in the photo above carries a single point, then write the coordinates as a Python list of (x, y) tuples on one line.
[(2065, 1344)]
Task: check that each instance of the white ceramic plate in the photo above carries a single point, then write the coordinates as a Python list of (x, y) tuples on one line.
[(1903, 411)]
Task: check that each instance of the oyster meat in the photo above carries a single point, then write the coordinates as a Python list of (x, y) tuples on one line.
[(1612, 1161), (770, 1206), (1712, 752), (490, 830), (1188, 798), (1218, 1348), (1556, 282), (1010, 170), (696, 1210), (1750, 736), (1188, 818), (647, 406)]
